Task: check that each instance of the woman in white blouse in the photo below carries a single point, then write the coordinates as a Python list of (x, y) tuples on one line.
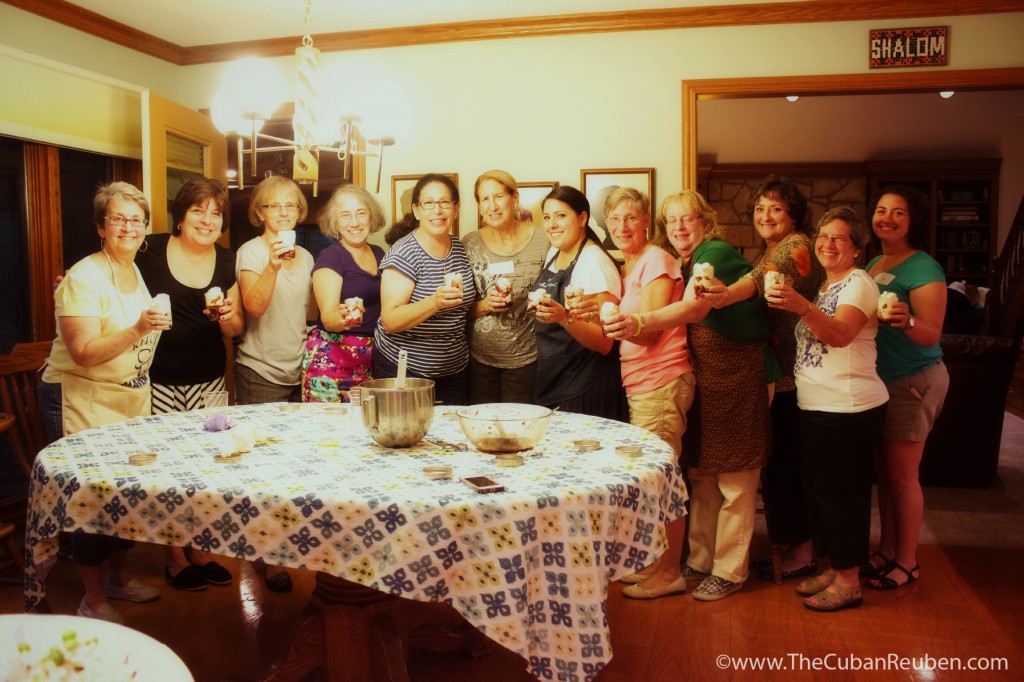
[(842, 407)]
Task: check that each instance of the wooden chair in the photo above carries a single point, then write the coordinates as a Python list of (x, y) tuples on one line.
[(19, 384)]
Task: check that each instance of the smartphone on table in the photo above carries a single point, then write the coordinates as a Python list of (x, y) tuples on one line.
[(483, 484)]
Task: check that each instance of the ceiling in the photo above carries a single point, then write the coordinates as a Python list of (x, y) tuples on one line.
[(205, 22)]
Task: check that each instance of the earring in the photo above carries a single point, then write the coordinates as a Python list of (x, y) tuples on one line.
[(145, 245)]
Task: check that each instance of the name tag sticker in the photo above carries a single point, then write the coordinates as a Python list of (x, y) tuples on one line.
[(505, 267), (884, 278)]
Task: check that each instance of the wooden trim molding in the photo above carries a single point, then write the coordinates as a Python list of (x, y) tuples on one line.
[(809, 11), (45, 241), (836, 84), (103, 27)]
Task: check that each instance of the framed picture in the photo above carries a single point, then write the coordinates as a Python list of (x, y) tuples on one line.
[(531, 194), (401, 196), (598, 183)]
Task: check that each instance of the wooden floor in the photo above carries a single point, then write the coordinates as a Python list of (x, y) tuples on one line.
[(968, 603)]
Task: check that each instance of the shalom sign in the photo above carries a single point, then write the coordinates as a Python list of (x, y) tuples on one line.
[(892, 47)]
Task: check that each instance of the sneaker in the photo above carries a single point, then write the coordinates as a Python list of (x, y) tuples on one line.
[(102, 612), (133, 591), (714, 588), (693, 574)]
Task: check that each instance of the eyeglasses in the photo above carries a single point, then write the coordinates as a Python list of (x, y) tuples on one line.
[(120, 220), (838, 241), (631, 220), (360, 216), (445, 204), (685, 220), (276, 208)]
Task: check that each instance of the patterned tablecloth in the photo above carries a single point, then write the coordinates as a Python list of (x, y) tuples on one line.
[(529, 567)]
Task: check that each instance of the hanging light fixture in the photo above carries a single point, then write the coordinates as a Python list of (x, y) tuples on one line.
[(250, 92)]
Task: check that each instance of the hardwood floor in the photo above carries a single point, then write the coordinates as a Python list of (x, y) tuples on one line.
[(967, 604)]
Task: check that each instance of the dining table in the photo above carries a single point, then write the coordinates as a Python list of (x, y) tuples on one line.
[(529, 567)]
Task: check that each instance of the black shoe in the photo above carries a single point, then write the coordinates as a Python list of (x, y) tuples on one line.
[(189, 579), (214, 573), (810, 568), (279, 582)]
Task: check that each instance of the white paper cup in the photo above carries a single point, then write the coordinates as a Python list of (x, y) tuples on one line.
[(162, 302)]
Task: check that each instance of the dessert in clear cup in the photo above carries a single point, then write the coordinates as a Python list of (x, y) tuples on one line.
[(702, 275), (573, 296), (352, 310), (214, 300), (287, 237), (453, 279), (773, 278), (608, 311), (504, 288), (534, 298), (886, 300)]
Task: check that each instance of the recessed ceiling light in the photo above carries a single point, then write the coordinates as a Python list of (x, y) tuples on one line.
[(793, 98), (946, 94)]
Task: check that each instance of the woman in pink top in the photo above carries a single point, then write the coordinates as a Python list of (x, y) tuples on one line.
[(656, 369)]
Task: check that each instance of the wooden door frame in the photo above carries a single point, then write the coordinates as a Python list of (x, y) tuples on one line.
[(835, 84)]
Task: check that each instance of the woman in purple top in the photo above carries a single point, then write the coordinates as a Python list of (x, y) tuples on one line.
[(338, 355)]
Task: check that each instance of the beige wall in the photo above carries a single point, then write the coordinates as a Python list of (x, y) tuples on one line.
[(543, 108)]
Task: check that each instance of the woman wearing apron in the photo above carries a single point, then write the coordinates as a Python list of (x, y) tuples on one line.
[(576, 368)]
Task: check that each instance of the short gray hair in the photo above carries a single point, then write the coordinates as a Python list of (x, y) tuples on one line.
[(859, 233), (328, 218), (117, 190)]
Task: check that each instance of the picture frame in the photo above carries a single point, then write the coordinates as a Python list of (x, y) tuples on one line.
[(597, 183), (401, 196), (531, 194)]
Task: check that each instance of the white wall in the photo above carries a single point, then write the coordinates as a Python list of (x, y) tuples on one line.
[(543, 108)]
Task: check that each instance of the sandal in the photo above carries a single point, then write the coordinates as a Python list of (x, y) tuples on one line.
[(812, 586), (884, 582), (835, 597), (869, 571)]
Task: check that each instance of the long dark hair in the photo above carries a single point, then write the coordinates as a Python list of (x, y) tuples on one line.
[(579, 203), (920, 212)]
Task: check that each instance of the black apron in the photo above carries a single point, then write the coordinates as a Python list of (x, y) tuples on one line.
[(565, 368)]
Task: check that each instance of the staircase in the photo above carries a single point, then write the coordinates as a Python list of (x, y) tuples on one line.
[(1006, 309)]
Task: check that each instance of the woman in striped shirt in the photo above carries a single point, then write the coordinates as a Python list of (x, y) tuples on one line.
[(426, 292)]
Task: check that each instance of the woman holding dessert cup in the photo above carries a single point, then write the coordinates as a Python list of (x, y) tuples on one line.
[(577, 365), (506, 254), (910, 364), (656, 371), (196, 272), (346, 285), (274, 278), (108, 328), (427, 290), (842, 404), (780, 218), (727, 435)]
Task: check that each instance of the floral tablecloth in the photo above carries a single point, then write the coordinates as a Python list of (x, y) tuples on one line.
[(528, 567)]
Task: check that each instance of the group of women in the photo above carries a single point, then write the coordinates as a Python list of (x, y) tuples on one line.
[(733, 373)]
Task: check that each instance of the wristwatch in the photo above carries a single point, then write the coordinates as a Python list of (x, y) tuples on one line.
[(911, 322)]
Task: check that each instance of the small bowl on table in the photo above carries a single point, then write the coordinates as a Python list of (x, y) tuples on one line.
[(504, 427)]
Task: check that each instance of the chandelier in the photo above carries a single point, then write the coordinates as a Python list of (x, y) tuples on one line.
[(251, 91)]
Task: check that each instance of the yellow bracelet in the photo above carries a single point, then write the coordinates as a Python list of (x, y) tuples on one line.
[(639, 323)]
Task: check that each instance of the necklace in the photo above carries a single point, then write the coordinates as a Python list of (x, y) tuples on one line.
[(510, 247)]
